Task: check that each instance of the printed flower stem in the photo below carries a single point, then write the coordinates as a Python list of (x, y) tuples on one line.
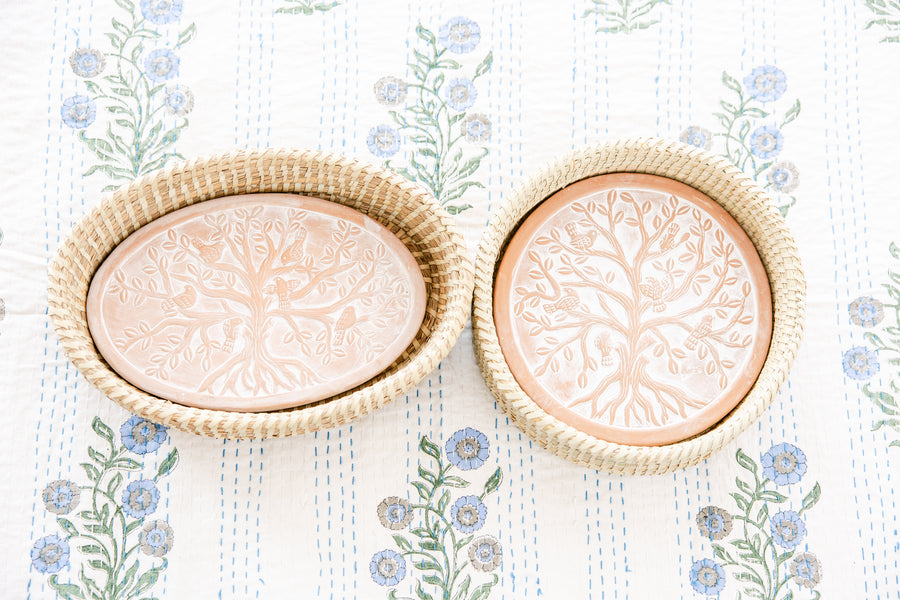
[(105, 530), (435, 549), (137, 139), (626, 16), (436, 122), (887, 341)]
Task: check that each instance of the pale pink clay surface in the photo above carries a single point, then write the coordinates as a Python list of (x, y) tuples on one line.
[(634, 308), (256, 302)]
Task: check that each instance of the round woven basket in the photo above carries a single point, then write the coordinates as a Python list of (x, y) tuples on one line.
[(750, 207), (404, 208)]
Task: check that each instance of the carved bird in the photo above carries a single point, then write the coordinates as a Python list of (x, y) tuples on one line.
[(183, 300), (699, 332), (282, 289), (208, 252), (344, 322), (581, 241), (231, 328), (294, 252), (654, 290), (602, 344), (668, 241), (567, 303)]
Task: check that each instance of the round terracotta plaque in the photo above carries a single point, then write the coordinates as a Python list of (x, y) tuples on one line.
[(634, 308), (255, 302)]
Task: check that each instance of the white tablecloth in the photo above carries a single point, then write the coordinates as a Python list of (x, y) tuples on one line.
[(299, 517)]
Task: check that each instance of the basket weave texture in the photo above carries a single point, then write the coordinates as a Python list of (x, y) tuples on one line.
[(750, 207), (409, 212)]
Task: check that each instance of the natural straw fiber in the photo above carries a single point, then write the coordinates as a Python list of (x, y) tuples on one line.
[(404, 208), (750, 207)]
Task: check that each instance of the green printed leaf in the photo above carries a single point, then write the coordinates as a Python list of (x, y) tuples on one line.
[(128, 579), (149, 578), (186, 35), (92, 549), (454, 481), (126, 5), (428, 545), (485, 65), (422, 594), (425, 34), (493, 482), (402, 543), (168, 465), (421, 489), (483, 590), (772, 496), (67, 526), (114, 484), (91, 471), (429, 448), (65, 590), (426, 475), (103, 430), (811, 498), (730, 82), (463, 588), (792, 113), (427, 565), (442, 503), (746, 462)]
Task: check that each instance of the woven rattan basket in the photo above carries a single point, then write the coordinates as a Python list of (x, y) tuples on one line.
[(751, 208), (405, 209)]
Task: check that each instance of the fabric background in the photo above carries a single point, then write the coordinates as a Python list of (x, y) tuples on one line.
[(298, 516)]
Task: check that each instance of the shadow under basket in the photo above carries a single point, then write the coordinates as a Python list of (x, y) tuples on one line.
[(406, 210), (743, 199)]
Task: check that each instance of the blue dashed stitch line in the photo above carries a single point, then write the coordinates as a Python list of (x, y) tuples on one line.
[(47, 247)]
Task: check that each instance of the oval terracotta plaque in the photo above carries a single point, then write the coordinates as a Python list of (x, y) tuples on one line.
[(634, 308), (255, 302)]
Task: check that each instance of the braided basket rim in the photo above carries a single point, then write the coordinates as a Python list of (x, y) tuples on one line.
[(736, 193), (403, 207)]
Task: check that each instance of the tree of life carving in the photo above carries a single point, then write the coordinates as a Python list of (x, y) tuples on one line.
[(638, 306), (262, 303)]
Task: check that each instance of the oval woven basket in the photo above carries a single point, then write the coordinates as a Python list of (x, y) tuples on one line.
[(404, 208), (750, 207)]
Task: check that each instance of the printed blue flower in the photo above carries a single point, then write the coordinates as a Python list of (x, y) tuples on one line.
[(140, 498), (50, 554), (179, 100), (78, 112), (766, 83), (468, 514), (784, 177), (383, 141), (160, 12), (707, 577), (476, 127), (460, 35), (788, 529), (161, 64), (467, 449), (390, 90), (860, 363), (766, 142), (156, 538), (697, 136), (61, 497), (715, 523), (387, 568), (866, 311), (784, 463), (806, 569), (87, 62), (142, 436), (460, 93)]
